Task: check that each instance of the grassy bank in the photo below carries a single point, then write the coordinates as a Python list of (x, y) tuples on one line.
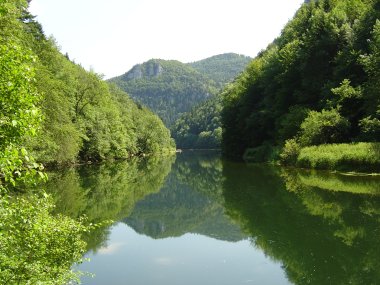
[(358, 157)]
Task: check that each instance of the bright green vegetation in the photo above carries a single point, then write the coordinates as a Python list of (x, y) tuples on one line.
[(315, 84), (55, 112), (168, 87), (345, 157), (87, 119), (222, 68), (35, 246)]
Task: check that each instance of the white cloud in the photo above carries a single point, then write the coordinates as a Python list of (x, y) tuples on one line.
[(110, 249)]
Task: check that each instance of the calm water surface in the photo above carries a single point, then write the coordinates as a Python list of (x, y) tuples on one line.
[(195, 219)]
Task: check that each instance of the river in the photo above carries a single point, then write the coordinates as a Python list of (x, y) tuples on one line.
[(197, 219)]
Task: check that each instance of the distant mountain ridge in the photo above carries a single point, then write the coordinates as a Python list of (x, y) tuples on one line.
[(171, 88)]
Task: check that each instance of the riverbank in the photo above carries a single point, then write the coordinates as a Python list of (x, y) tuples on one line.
[(358, 157)]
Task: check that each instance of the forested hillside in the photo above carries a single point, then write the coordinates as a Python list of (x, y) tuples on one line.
[(317, 83), (84, 117), (168, 87), (222, 68), (200, 128)]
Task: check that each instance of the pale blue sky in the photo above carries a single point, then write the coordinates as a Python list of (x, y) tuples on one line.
[(111, 36)]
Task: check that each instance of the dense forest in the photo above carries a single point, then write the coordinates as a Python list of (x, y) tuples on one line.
[(317, 83), (54, 112), (173, 90)]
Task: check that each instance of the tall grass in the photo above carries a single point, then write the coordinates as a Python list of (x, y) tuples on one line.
[(359, 157)]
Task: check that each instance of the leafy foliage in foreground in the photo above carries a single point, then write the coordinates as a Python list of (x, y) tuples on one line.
[(60, 113), (35, 246), (317, 83)]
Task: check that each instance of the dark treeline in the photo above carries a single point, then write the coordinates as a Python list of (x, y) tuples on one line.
[(318, 83)]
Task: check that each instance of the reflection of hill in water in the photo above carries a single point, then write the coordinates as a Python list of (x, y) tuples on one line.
[(189, 202), (319, 236)]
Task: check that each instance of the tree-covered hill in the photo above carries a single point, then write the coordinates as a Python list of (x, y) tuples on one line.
[(168, 87), (317, 83), (222, 68), (171, 88)]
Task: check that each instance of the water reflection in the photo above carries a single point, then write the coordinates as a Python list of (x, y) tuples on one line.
[(108, 191), (190, 201), (322, 228), (320, 237)]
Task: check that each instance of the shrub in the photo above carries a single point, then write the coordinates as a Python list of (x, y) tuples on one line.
[(323, 127), (290, 152), (370, 129)]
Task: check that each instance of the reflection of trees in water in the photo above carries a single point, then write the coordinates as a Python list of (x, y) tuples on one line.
[(107, 191), (320, 237), (190, 201)]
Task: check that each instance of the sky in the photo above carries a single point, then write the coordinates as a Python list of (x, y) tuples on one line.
[(111, 36)]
